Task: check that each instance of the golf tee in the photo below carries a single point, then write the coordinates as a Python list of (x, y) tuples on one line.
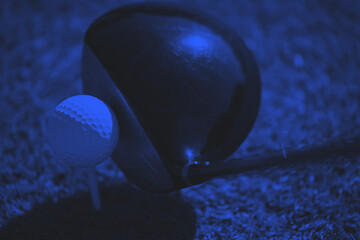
[(94, 190)]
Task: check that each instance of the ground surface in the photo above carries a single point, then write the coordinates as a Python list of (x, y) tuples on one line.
[(308, 54)]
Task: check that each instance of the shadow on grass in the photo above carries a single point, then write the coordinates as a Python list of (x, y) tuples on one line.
[(127, 213)]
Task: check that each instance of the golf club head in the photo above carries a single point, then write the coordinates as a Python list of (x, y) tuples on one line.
[(184, 87)]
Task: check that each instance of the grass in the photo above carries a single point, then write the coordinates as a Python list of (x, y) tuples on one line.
[(309, 62)]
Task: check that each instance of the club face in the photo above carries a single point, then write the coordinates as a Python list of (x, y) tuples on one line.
[(184, 88), (134, 153)]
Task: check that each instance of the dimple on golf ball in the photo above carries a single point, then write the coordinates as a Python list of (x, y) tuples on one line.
[(83, 131)]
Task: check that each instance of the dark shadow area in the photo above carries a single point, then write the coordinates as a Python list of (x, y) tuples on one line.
[(127, 213)]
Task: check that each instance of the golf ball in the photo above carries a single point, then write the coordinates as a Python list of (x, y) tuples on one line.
[(83, 131)]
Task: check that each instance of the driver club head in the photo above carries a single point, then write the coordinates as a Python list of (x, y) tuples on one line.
[(184, 88)]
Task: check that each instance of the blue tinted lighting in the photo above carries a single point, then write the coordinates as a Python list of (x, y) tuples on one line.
[(196, 42), (190, 154)]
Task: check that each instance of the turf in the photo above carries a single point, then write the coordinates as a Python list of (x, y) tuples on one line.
[(308, 55)]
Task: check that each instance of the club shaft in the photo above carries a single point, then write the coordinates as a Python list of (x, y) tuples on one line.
[(278, 158)]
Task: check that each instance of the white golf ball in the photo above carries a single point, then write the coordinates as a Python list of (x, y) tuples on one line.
[(82, 131)]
